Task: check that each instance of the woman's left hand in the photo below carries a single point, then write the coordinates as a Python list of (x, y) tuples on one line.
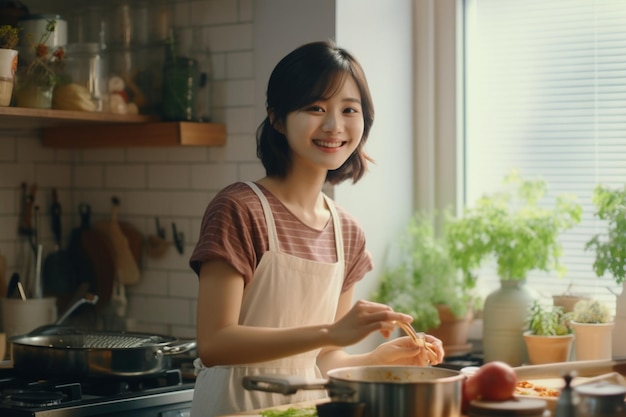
[(402, 351)]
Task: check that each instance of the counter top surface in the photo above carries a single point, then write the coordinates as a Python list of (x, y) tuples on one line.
[(546, 374)]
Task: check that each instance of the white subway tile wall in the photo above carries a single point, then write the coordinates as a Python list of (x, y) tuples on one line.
[(171, 184)]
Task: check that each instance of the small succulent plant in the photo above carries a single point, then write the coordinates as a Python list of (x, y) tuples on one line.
[(548, 321), (9, 36), (591, 311)]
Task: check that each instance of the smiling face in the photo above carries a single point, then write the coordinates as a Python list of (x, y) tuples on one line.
[(311, 97), (323, 134)]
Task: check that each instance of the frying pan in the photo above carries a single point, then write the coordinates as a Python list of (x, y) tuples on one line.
[(398, 391), (71, 352)]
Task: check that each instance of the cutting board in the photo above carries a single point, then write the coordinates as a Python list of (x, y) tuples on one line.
[(582, 368), (126, 267), (100, 254)]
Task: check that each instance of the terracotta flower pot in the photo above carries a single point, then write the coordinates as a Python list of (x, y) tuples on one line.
[(548, 349), (593, 340), (453, 331), (567, 301)]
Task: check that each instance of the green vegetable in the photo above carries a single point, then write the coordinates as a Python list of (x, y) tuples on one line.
[(291, 412)]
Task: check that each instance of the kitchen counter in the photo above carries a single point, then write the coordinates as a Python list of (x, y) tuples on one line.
[(588, 369)]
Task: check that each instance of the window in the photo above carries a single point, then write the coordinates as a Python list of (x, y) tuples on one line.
[(545, 91)]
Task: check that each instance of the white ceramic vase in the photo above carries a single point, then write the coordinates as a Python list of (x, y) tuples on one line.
[(593, 341), (8, 65), (504, 318)]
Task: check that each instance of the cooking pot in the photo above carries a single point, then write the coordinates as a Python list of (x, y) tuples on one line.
[(398, 391), (95, 354), (601, 399)]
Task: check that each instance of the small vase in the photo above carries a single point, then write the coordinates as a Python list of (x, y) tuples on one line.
[(593, 340), (33, 95), (504, 319), (8, 65), (548, 349)]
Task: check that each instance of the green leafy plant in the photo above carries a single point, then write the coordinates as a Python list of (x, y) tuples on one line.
[(548, 321), (9, 37), (513, 228), (423, 276), (591, 311), (610, 247)]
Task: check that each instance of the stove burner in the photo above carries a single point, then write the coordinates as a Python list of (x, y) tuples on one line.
[(36, 398)]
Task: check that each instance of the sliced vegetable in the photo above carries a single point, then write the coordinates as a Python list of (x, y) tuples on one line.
[(291, 412)]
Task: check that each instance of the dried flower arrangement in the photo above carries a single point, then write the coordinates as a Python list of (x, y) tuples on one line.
[(46, 65)]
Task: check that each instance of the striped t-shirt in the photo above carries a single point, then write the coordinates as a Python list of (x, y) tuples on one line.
[(233, 228)]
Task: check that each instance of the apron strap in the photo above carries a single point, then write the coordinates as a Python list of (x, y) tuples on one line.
[(337, 226), (272, 235)]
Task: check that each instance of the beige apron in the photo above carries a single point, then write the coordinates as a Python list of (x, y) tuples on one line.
[(304, 293)]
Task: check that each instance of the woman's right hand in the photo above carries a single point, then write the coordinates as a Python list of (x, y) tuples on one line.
[(364, 318)]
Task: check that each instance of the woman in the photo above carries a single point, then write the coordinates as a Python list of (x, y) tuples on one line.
[(277, 259)]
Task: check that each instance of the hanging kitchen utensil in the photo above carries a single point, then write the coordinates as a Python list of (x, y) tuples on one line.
[(3, 276), (126, 268), (134, 236), (26, 227), (56, 269), (157, 245), (62, 272), (179, 239), (100, 254), (37, 289)]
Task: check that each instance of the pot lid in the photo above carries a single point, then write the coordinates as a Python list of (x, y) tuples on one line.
[(601, 389)]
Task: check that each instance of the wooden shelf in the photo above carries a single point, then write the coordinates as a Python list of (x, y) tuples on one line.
[(84, 130), (25, 118), (135, 134)]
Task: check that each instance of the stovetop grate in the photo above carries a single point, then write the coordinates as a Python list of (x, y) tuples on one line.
[(145, 396)]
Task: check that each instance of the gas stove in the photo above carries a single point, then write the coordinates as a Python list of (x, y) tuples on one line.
[(459, 362), (165, 394)]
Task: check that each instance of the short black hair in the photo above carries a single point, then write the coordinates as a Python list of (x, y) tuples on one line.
[(312, 72)]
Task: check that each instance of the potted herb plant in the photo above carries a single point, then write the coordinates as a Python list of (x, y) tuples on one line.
[(422, 281), (548, 336), (9, 37), (518, 230), (593, 326), (610, 251)]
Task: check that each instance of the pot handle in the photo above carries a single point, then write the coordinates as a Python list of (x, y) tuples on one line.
[(282, 384), (178, 347)]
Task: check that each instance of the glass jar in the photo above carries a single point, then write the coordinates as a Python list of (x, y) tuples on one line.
[(82, 85), (180, 89)]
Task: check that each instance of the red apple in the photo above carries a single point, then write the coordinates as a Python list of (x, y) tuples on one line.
[(496, 381)]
